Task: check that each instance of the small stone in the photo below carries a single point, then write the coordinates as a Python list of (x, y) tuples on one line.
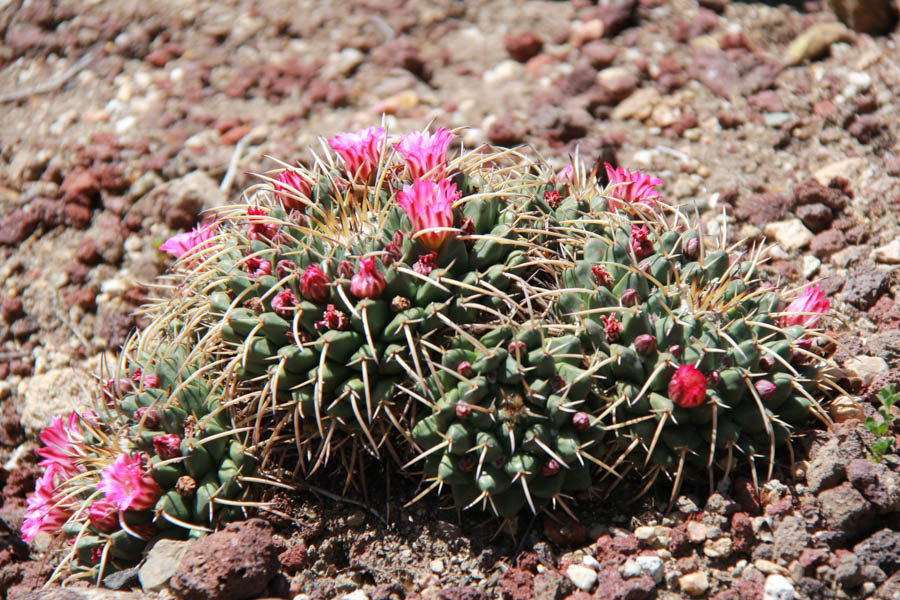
[(815, 41), (54, 394), (646, 533), (652, 566), (638, 105), (436, 566), (778, 587), (888, 254), (817, 217), (583, 577), (720, 548), (694, 584), (846, 510), (161, 564), (878, 484), (590, 561), (866, 16), (696, 532), (588, 31), (523, 46), (123, 580), (866, 368), (842, 168), (810, 266), (776, 119), (864, 285), (767, 567), (194, 192), (630, 568), (844, 408), (790, 234), (357, 594)]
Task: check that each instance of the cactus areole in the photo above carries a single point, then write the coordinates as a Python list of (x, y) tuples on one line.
[(513, 335)]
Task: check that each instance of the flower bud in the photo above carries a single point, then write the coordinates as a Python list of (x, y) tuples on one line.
[(765, 389), (516, 347), (104, 515), (550, 468), (345, 269), (687, 387), (692, 248), (426, 263), (283, 303), (314, 284), (640, 242), (167, 446), (630, 297), (581, 421), (284, 267), (369, 281), (465, 369), (766, 363), (463, 410), (602, 276), (645, 344), (675, 350)]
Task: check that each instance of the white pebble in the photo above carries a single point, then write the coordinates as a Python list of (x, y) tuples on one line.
[(583, 577), (778, 587)]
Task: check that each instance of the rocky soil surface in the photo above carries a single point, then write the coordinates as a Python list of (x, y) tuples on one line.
[(123, 121)]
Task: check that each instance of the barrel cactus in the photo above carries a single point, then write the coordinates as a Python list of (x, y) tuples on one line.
[(508, 331)]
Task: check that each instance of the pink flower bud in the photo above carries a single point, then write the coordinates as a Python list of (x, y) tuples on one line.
[(257, 267), (692, 248), (314, 284), (766, 363), (369, 281), (128, 485), (765, 389), (467, 227), (258, 228), (465, 369), (630, 297), (516, 348), (467, 464), (345, 269), (290, 185), (640, 242), (675, 350), (391, 254), (284, 302), (104, 515), (807, 310), (397, 238), (284, 267), (152, 418), (425, 264), (463, 410), (687, 387), (167, 446), (550, 468), (645, 344), (581, 421)]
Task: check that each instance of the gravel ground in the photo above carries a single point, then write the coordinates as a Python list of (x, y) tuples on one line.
[(123, 121)]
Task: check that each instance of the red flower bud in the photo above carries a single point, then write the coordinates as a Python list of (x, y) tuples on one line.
[(283, 303), (687, 387), (581, 421), (765, 389), (692, 248), (345, 269), (640, 243), (645, 344), (167, 446), (425, 264), (463, 410), (550, 468), (314, 284), (602, 276), (369, 281), (465, 369), (630, 297)]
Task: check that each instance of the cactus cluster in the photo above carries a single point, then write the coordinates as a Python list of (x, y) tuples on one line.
[(509, 331)]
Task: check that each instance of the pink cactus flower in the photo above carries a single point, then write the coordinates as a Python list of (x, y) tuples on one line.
[(425, 153), (104, 515), (602, 276), (567, 173), (284, 302), (258, 228), (687, 387), (150, 380), (630, 187), (640, 243), (332, 319), (42, 512), (369, 281), (167, 446), (190, 241), (430, 209), (290, 185), (807, 310), (62, 440), (127, 483), (257, 267), (314, 284), (361, 150)]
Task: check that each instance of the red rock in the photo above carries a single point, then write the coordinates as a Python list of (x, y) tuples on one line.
[(812, 557), (742, 535), (233, 135), (78, 272), (523, 46), (827, 243), (611, 586), (679, 544), (869, 129), (599, 54), (456, 593), (817, 217), (76, 215), (824, 108), (616, 16), (21, 368), (236, 562), (730, 120), (516, 584), (12, 309), (159, 58), (767, 100), (87, 252), (294, 559), (527, 561), (11, 431), (85, 298), (17, 226), (746, 494), (81, 187)]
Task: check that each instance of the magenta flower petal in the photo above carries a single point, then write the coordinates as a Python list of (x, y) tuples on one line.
[(62, 440), (425, 152), (126, 483), (687, 387), (183, 243), (630, 187), (361, 150), (807, 310), (430, 209), (42, 512)]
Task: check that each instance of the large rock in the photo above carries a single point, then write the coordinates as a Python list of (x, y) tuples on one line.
[(846, 511), (235, 563), (55, 393), (877, 483), (866, 16), (882, 549), (161, 564)]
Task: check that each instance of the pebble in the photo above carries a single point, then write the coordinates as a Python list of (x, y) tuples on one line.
[(767, 567), (638, 105), (505, 70), (719, 548), (866, 368), (583, 577), (161, 563), (844, 408), (696, 532), (590, 561), (133, 243), (355, 595), (811, 264), (776, 119), (436, 566), (790, 234), (694, 584), (815, 41), (125, 124), (652, 566), (888, 254), (778, 587), (845, 168), (860, 79)]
